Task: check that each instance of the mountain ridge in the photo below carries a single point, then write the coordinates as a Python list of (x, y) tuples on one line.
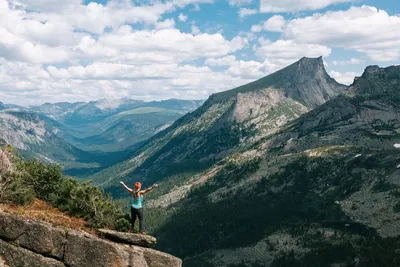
[(225, 122), (322, 191), (80, 113), (300, 72)]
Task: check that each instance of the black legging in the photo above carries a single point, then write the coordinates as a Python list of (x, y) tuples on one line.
[(139, 214)]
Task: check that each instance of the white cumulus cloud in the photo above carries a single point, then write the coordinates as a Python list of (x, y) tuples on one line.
[(166, 24), (244, 12), (195, 30), (344, 78), (352, 61), (283, 49), (281, 53), (240, 2), (23, 82), (81, 52), (274, 24), (363, 29), (48, 5), (296, 5), (182, 17), (222, 61), (248, 69)]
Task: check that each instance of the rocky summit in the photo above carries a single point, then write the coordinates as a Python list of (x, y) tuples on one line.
[(305, 81), (29, 243)]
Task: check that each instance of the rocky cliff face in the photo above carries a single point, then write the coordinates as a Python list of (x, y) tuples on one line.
[(23, 129), (33, 243), (368, 115), (306, 81), (34, 135)]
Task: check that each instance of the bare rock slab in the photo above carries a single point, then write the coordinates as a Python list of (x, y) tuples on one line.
[(19, 257), (129, 238), (31, 243)]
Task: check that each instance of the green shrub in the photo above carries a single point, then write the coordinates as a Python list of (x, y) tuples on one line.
[(45, 181), (88, 202), (122, 225), (17, 192)]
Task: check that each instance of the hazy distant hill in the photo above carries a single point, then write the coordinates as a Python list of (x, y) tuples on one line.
[(86, 137), (81, 113)]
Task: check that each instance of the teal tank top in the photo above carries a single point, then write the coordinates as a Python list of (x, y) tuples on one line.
[(137, 203)]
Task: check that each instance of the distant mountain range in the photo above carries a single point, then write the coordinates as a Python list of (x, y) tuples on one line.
[(291, 170), (86, 137), (80, 113)]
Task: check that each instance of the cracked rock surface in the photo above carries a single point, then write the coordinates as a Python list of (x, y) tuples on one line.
[(129, 238), (26, 242)]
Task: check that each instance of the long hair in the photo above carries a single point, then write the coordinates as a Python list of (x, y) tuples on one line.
[(137, 189)]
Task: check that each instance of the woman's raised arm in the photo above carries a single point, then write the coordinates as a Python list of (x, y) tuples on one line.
[(149, 189), (127, 188)]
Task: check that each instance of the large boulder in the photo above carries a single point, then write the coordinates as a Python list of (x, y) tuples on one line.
[(129, 238), (39, 237), (87, 250), (26, 242), (14, 256)]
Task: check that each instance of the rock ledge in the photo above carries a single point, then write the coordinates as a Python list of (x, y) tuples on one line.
[(128, 238), (25, 243)]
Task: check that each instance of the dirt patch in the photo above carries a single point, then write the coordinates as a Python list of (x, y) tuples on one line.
[(40, 210)]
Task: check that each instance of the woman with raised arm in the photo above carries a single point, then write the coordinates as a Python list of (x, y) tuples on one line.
[(137, 204)]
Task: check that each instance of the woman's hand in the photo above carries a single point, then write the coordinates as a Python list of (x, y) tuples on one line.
[(127, 188), (150, 188)]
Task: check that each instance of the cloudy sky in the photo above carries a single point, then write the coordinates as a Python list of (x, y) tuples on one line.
[(74, 50)]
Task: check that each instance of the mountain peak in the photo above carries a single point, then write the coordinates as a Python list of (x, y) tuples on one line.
[(114, 103), (311, 60), (312, 68), (377, 72), (376, 80), (305, 81)]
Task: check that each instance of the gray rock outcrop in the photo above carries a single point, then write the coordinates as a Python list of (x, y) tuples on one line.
[(26, 242), (128, 238)]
